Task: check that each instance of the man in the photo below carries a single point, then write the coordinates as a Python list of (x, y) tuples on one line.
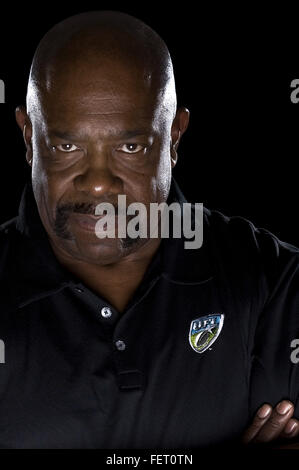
[(131, 342)]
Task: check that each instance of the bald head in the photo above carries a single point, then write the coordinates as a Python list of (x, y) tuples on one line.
[(92, 44), (101, 121)]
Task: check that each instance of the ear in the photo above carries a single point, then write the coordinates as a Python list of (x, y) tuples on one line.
[(25, 125), (179, 126)]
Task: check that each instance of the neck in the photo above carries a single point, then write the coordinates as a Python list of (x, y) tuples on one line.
[(115, 282)]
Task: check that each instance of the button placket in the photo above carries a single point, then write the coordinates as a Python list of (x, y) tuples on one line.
[(79, 290), (120, 345), (101, 309), (106, 312)]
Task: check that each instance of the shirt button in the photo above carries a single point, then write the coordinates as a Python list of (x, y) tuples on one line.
[(78, 289), (106, 312), (120, 345)]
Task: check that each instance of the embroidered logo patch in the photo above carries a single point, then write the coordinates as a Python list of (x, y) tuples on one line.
[(204, 331)]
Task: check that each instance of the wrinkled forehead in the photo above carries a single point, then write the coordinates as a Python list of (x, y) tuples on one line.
[(103, 104), (93, 87)]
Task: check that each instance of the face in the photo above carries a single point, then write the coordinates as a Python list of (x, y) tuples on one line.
[(91, 138)]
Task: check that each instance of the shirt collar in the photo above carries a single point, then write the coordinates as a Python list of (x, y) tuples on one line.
[(37, 273), (33, 269)]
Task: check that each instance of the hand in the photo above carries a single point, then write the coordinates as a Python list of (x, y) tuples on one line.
[(270, 424)]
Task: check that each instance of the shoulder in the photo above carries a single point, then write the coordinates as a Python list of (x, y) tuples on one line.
[(240, 231), (243, 249)]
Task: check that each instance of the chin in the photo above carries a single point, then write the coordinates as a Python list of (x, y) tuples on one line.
[(101, 252)]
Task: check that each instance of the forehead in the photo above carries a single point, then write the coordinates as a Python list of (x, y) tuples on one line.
[(102, 115), (102, 106), (92, 81), (98, 91)]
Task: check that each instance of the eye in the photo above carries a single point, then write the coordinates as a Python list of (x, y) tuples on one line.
[(66, 148), (131, 148)]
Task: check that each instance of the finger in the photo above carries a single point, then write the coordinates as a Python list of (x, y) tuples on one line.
[(261, 417), (291, 429), (275, 425)]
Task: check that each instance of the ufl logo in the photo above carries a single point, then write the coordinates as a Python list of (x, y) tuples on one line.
[(204, 331), (2, 92)]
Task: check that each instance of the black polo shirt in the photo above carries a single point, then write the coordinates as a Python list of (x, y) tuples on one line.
[(79, 374)]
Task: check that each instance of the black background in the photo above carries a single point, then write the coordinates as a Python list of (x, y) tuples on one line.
[(233, 70)]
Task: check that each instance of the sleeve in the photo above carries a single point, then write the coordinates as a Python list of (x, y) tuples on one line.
[(274, 361)]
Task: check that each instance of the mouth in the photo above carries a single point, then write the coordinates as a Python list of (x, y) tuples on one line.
[(88, 223), (85, 221)]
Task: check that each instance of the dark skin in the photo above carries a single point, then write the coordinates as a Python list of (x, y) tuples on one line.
[(100, 168), (97, 104), (273, 423)]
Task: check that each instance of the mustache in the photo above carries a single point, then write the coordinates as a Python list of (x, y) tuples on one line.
[(64, 210), (82, 208)]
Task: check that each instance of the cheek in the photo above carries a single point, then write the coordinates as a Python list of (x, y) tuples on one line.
[(48, 190), (47, 187), (163, 174), (154, 187), (39, 181), (47, 184)]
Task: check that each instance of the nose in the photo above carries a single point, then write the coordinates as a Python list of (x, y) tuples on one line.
[(97, 178)]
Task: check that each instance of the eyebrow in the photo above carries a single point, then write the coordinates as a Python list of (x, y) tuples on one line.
[(127, 134)]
